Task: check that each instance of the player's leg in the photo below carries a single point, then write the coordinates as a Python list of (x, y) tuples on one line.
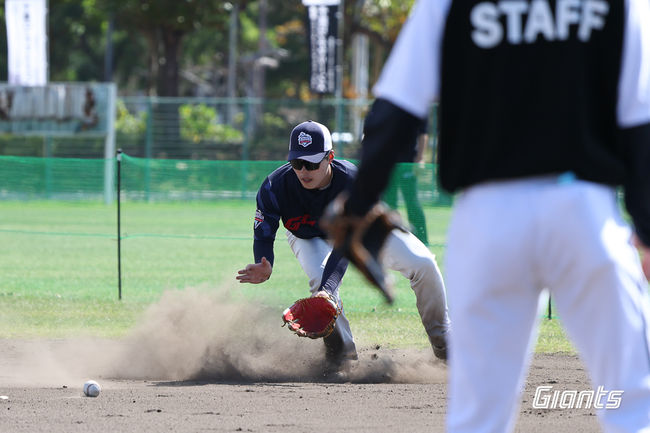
[(390, 194), (312, 255), (405, 253), (409, 187), (493, 303), (602, 299)]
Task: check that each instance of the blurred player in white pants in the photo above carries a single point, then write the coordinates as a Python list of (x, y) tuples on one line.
[(567, 236), (544, 111)]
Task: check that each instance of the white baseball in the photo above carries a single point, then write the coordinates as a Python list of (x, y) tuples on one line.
[(92, 389)]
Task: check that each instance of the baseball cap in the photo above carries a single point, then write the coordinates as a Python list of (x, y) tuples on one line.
[(309, 141)]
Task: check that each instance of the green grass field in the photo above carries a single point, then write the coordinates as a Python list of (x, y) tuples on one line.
[(58, 270)]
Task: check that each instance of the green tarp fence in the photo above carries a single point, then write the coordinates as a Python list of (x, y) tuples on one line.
[(36, 178)]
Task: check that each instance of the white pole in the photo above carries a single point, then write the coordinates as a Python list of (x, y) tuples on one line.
[(339, 75), (109, 147), (232, 63)]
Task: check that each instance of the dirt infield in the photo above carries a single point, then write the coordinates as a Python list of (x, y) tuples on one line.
[(189, 367), (397, 391)]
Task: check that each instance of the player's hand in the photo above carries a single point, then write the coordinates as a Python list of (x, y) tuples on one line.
[(644, 252), (255, 273), (322, 293)]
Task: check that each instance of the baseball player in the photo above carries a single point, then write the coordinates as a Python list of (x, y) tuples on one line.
[(405, 180), (544, 111), (297, 194)]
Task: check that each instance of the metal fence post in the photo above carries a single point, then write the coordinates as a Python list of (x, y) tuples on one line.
[(119, 229), (148, 149)]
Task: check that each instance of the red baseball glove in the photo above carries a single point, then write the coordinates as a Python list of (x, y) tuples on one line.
[(312, 317)]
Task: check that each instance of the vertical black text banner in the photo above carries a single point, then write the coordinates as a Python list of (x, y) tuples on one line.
[(322, 31)]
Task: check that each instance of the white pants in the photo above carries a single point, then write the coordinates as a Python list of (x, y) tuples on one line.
[(509, 240), (405, 253), (402, 252)]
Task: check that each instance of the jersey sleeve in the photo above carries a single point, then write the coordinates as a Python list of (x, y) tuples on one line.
[(410, 78), (333, 273), (634, 84), (267, 221), (633, 114)]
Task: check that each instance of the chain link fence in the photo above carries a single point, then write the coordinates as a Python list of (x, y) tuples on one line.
[(208, 129)]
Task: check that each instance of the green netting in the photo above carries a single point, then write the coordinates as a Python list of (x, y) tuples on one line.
[(23, 178), (169, 180), (172, 180)]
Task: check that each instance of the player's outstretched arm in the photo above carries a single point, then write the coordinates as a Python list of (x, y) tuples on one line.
[(255, 273)]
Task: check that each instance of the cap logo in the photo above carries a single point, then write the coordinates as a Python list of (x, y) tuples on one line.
[(304, 139)]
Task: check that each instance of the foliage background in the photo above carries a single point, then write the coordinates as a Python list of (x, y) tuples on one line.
[(180, 48)]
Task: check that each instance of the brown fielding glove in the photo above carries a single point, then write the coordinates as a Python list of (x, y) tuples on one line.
[(312, 317), (360, 238)]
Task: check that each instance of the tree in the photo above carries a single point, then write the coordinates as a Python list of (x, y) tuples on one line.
[(164, 24), (381, 21), (171, 47)]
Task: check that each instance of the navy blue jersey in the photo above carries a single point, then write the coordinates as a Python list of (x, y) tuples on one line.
[(282, 198)]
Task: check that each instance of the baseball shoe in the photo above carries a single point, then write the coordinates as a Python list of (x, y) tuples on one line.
[(440, 352), (337, 368), (439, 345), (337, 358), (335, 350)]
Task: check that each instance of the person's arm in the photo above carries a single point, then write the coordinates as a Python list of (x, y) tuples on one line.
[(387, 126), (633, 115), (637, 189), (644, 253), (636, 142), (333, 273), (267, 221)]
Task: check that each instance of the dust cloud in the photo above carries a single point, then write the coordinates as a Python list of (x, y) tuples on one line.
[(192, 334), (201, 335)]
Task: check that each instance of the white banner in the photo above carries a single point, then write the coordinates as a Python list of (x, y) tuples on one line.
[(27, 41), (321, 2)]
